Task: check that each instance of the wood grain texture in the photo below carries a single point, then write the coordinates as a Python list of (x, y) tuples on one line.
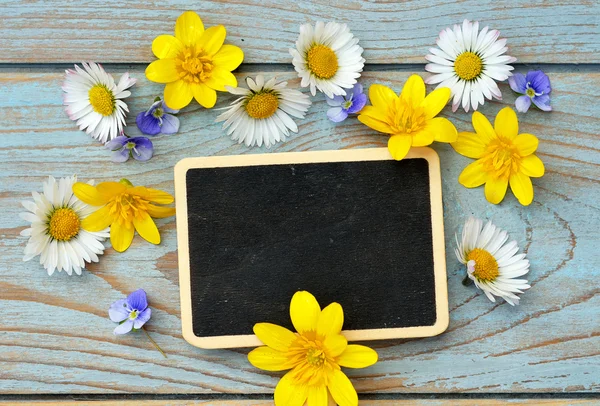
[(55, 336), (557, 31)]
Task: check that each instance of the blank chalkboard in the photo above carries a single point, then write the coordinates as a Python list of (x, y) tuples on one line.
[(354, 227)]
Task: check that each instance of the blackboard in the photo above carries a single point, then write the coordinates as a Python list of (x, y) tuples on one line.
[(355, 227)]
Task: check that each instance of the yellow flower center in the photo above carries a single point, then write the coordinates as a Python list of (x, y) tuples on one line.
[(133, 315), (126, 206), (501, 158), (64, 224), (194, 65), (468, 66), (530, 92), (262, 105), (486, 267), (406, 118), (315, 357), (313, 364), (102, 100), (322, 61)]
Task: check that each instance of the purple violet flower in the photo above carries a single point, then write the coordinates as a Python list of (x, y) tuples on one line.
[(535, 87), (341, 106), (132, 313), (159, 119), (123, 147)]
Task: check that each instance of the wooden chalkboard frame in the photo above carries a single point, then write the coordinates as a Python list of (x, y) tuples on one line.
[(370, 154)]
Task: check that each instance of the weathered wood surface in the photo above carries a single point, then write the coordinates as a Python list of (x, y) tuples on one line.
[(557, 31), (405, 402), (55, 336)]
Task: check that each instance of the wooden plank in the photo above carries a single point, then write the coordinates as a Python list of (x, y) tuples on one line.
[(55, 336), (561, 31)]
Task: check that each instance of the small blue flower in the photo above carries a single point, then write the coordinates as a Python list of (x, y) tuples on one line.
[(535, 87), (123, 147), (341, 106), (132, 312), (159, 119)]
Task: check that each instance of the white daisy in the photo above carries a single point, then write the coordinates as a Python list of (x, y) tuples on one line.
[(262, 114), (95, 102), (327, 57), (468, 62), (491, 262), (55, 233)]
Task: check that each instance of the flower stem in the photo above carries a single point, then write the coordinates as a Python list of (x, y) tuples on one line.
[(154, 342), (467, 281)]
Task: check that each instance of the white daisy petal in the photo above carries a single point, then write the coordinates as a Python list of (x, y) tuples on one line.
[(492, 264)]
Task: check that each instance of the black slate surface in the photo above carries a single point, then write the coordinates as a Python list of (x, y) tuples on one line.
[(358, 233)]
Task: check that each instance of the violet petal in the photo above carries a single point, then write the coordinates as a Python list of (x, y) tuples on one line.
[(170, 124), (143, 149), (357, 89), (337, 114), (137, 300), (148, 125), (539, 81), (169, 110), (358, 103), (335, 101), (518, 83), (118, 311), (542, 102), (142, 318), (117, 142), (124, 327), (522, 104), (120, 156)]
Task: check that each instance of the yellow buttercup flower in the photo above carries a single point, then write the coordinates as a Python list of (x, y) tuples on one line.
[(314, 354), (410, 119), (503, 157), (194, 63), (125, 208)]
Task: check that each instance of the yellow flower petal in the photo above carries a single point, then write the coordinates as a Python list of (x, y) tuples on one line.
[(158, 212), (204, 95), (522, 188), (146, 228), (277, 337), (398, 145), (381, 96), (331, 320), (88, 194), (178, 94), (229, 57), (317, 396), (212, 39), (357, 356), (304, 312), (435, 102), (98, 220), (121, 235), (189, 28), (269, 359), (110, 189), (289, 394), (495, 189), (526, 144), (473, 175), (219, 78), (153, 195), (335, 344), (422, 138), (483, 127), (532, 166), (162, 71), (377, 125), (506, 123), (442, 129), (469, 145), (414, 90), (166, 46), (341, 389)]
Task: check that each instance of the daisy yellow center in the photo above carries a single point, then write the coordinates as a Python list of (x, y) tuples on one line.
[(194, 65), (486, 267), (262, 105), (102, 100), (502, 158), (64, 224), (405, 118), (468, 66), (322, 61)]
